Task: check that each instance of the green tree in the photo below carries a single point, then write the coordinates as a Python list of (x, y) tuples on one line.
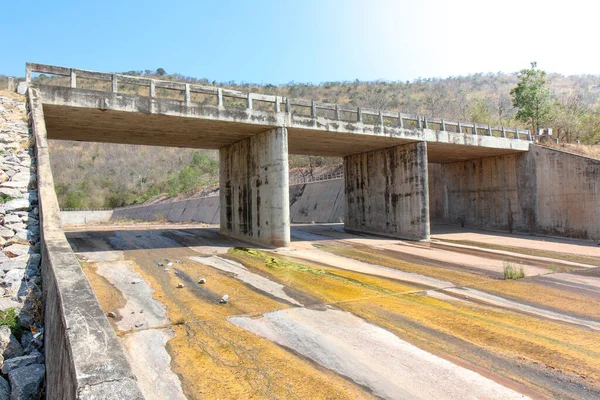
[(532, 97)]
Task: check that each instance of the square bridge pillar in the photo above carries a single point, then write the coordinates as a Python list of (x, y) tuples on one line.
[(254, 189), (387, 192)]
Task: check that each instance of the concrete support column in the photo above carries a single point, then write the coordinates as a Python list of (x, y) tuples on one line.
[(387, 192), (254, 187)]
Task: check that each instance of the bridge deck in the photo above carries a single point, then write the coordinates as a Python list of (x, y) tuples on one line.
[(331, 130)]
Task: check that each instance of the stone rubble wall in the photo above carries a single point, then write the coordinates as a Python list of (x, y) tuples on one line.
[(86, 360), (22, 330)]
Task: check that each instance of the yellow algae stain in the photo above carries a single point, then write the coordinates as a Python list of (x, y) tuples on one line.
[(231, 363), (390, 259), (528, 251), (327, 284), (216, 359), (545, 296), (109, 297), (561, 347)]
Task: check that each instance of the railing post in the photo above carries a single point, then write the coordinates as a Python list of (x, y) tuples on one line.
[(359, 114), (152, 88), (489, 131), (187, 95), (380, 117), (474, 128), (219, 97), (73, 78), (313, 109), (277, 106), (288, 105), (249, 105), (516, 133), (529, 136), (337, 112), (418, 126), (28, 75), (459, 127), (425, 124), (443, 126), (503, 132), (11, 84), (115, 86), (400, 123)]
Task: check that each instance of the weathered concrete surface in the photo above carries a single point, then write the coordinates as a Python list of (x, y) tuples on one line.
[(87, 115), (544, 191), (83, 353), (371, 356), (254, 192), (85, 217), (387, 192)]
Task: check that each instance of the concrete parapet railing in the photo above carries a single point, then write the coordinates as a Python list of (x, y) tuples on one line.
[(279, 103), (85, 359)]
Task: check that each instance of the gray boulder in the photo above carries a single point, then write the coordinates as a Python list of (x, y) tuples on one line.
[(23, 361), (4, 389), (9, 344), (27, 382), (17, 205)]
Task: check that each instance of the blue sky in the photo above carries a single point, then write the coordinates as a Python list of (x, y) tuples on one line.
[(304, 41)]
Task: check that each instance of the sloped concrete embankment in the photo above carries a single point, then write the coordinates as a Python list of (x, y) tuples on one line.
[(319, 202), (544, 191), (85, 358)]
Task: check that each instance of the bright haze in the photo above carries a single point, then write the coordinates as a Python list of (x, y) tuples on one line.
[(304, 41)]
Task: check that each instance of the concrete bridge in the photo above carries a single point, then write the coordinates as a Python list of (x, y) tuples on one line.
[(386, 154), (401, 173)]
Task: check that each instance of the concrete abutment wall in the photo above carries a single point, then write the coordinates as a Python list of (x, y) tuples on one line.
[(544, 191), (387, 192), (254, 192)]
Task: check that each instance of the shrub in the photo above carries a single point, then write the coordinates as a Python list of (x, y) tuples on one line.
[(511, 272)]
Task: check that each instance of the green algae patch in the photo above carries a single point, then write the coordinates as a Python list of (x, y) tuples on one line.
[(328, 284), (392, 259)]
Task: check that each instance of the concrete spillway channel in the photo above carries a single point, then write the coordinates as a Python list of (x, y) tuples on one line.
[(343, 316)]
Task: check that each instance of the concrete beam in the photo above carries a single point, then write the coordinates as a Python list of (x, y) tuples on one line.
[(387, 192), (254, 189)]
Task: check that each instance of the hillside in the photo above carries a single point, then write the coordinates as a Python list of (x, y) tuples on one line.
[(102, 175)]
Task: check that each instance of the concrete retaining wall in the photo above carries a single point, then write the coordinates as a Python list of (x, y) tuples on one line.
[(319, 202), (204, 210), (544, 191), (84, 357), (85, 217)]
